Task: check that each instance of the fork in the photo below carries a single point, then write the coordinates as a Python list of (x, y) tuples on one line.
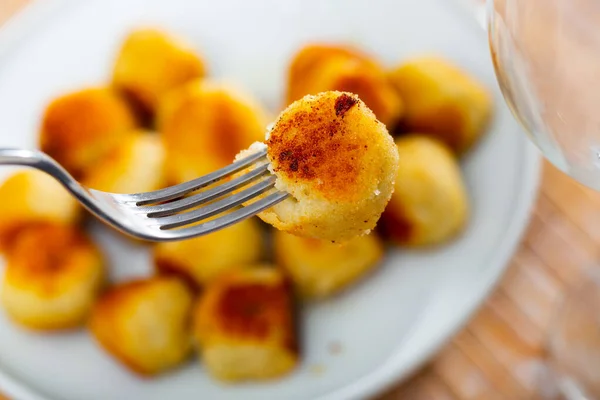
[(169, 214)]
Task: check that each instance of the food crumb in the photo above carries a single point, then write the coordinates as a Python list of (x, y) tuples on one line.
[(343, 104), (317, 369), (335, 348)]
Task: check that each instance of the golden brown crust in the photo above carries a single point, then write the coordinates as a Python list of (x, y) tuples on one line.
[(51, 260), (11, 233), (374, 90), (251, 304), (338, 163), (53, 274), (319, 268), (204, 125), (175, 268), (442, 122), (443, 101), (137, 165), (252, 310), (107, 309), (152, 62), (313, 141), (145, 324), (245, 326), (30, 198), (322, 67), (80, 128), (307, 62), (204, 258), (395, 223), (430, 204), (343, 103)]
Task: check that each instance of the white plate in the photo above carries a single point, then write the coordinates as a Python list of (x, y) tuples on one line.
[(392, 322)]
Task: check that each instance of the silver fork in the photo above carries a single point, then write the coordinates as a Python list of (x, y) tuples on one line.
[(167, 214)]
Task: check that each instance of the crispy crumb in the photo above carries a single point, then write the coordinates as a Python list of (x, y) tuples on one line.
[(343, 104)]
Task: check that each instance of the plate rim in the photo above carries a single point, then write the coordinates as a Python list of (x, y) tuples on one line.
[(19, 24)]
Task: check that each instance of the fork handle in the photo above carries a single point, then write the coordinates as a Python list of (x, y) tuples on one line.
[(35, 159), (29, 158), (43, 162)]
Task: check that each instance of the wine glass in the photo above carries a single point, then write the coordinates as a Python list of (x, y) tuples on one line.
[(546, 54), (547, 59)]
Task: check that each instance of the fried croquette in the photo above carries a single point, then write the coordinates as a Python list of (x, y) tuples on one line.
[(81, 128), (337, 162), (202, 259), (321, 67), (430, 204), (52, 278), (31, 197), (319, 268), (443, 101), (145, 324), (152, 62), (244, 326), (137, 165), (204, 124)]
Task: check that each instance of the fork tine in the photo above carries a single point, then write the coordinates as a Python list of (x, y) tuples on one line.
[(217, 207), (172, 207), (180, 190), (226, 220)]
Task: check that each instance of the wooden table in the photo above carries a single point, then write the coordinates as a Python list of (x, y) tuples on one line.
[(497, 355)]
